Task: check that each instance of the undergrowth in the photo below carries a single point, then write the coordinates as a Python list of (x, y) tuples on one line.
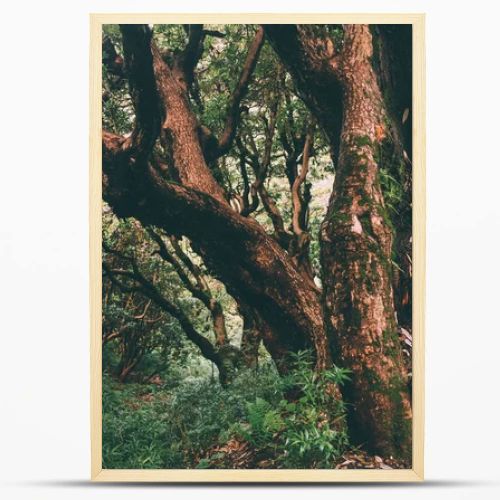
[(292, 420)]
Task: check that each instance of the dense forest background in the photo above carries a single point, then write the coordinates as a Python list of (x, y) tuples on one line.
[(257, 246)]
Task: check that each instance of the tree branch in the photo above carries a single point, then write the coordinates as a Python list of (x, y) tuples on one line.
[(297, 199), (138, 54), (147, 288), (200, 290), (261, 169), (248, 191), (312, 62), (253, 266), (236, 249), (192, 52), (233, 112), (112, 60), (214, 33)]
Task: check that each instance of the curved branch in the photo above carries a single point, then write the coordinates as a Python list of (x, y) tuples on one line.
[(200, 290), (314, 78), (237, 250), (272, 210), (248, 206), (233, 112), (261, 169), (297, 201), (214, 33), (180, 130), (192, 52), (147, 288), (192, 267)]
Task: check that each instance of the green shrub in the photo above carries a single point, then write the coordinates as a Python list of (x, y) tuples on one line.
[(135, 429), (263, 422), (305, 433)]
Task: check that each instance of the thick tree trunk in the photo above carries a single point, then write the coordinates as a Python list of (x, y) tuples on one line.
[(356, 235), (356, 256), (252, 265)]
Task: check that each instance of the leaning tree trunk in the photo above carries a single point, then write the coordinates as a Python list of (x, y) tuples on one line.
[(356, 236), (237, 250)]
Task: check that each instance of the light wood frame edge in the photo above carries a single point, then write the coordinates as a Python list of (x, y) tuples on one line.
[(419, 248)]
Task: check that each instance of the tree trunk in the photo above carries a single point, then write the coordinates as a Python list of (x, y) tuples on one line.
[(356, 256), (251, 337), (237, 250), (356, 236)]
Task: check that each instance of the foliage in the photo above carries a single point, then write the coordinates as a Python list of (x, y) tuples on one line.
[(303, 432), (134, 428), (145, 426), (172, 425)]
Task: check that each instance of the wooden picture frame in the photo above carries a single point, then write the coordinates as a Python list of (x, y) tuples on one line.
[(275, 475)]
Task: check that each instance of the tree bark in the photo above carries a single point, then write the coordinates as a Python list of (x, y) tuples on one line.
[(356, 237), (251, 337), (237, 250)]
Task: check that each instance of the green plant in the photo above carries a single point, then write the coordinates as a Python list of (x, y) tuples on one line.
[(174, 425), (264, 422), (306, 432), (171, 426), (135, 430)]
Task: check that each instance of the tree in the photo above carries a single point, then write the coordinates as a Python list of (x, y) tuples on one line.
[(356, 237), (252, 265)]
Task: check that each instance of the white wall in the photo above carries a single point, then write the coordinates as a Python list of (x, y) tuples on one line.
[(44, 431)]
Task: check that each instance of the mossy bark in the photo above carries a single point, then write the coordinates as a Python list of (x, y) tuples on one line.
[(183, 197), (356, 258), (337, 82), (251, 336)]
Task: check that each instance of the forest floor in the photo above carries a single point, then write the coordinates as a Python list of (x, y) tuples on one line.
[(236, 454), (197, 424)]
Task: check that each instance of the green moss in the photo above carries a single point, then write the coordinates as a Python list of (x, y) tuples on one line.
[(354, 161), (390, 342), (401, 426), (362, 140), (384, 214), (381, 259), (366, 223), (364, 199), (340, 218), (396, 422)]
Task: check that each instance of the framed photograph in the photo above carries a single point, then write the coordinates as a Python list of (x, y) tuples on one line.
[(257, 243)]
